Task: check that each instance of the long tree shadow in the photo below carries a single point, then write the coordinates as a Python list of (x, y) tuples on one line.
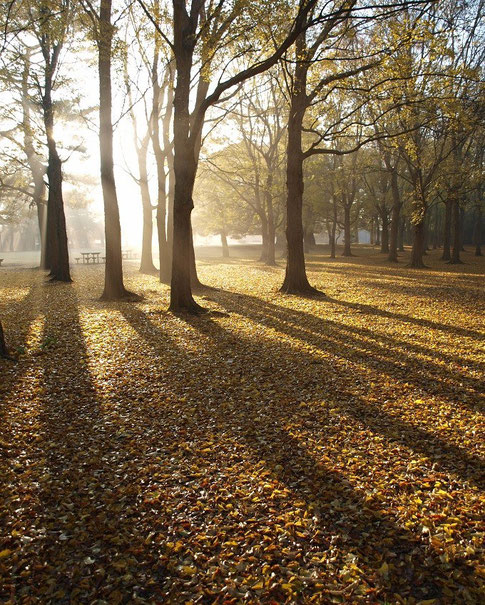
[(417, 321), (362, 529), (25, 311), (84, 537), (436, 292), (377, 352)]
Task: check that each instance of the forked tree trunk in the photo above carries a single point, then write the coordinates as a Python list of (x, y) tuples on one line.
[(447, 230), (114, 288), (457, 240)]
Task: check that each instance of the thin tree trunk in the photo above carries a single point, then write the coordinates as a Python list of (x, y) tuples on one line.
[(114, 288), (225, 246), (146, 262), (164, 255)]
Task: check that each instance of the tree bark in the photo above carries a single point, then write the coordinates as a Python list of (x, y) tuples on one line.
[(185, 167), (146, 261), (58, 257), (296, 281), (418, 245), (114, 288), (164, 246)]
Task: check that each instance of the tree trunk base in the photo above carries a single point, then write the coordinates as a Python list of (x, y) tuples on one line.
[(55, 278), (417, 264), (124, 296), (455, 261), (148, 270), (307, 290), (189, 308)]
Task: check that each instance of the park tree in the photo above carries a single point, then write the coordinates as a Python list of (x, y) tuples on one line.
[(192, 26), (103, 32)]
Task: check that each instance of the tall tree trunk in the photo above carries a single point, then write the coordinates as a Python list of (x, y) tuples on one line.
[(58, 258), (224, 244), (114, 288), (164, 254), (146, 262), (185, 168), (347, 232), (457, 236), (447, 230), (477, 231), (372, 238), (296, 281)]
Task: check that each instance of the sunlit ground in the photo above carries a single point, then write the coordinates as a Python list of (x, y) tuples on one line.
[(283, 450)]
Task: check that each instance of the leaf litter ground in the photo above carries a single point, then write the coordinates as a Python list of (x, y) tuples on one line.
[(285, 450)]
